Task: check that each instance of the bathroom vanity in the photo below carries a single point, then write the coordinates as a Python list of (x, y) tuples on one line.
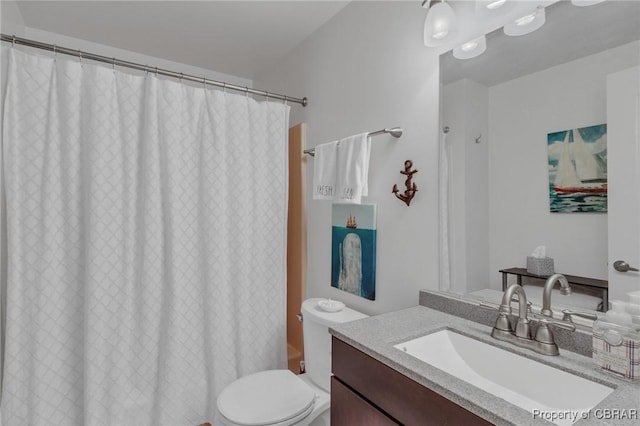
[(375, 383)]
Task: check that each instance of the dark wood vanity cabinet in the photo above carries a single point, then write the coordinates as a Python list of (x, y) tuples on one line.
[(365, 391)]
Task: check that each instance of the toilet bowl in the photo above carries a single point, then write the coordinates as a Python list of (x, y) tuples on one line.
[(281, 398)]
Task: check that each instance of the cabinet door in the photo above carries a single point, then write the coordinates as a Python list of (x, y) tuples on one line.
[(348, 408)]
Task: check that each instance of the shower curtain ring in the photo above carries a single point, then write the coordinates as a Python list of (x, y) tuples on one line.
[(13, 41), (246, 92), (113, 64), (266, 96), (224, 88), (204, 82), (80, 55), (156, 72), (55, 53), (286, 100), (181, 77)]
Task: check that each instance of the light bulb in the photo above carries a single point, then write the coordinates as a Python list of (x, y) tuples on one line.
[(469, 46), (525, 20), (441, 34), (495, 4), (585, 2), (527, 23)]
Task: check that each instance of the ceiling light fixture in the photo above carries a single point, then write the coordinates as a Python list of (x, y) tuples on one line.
[(585, 2), (527, 23), (441, 23), (471, 49)]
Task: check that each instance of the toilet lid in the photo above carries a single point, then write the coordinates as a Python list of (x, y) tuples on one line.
[(264, 398)]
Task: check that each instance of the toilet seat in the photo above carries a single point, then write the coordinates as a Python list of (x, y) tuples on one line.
[(267, 398)]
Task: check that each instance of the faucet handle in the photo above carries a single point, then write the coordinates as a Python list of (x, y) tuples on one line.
[(545, 321), (489, 305), (568, 315)]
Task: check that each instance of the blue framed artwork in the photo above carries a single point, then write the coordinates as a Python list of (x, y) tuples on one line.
[(578, 169), (353, 249)]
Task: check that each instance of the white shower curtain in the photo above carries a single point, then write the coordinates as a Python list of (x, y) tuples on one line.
[(445, 209), (146, 244)]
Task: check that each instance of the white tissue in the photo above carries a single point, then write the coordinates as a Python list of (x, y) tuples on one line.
[(539, 252)]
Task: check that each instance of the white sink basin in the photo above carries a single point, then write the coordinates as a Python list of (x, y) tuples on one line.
[(529, 384)]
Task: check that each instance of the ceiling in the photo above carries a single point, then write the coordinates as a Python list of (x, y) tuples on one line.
[(233, 37)]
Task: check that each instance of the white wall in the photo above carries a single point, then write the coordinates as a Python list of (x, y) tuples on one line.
[(521, 113), (465, 113), (11, 21), (367, 69), (127, 55)]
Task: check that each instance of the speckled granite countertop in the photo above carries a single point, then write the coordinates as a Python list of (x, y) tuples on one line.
[(376, 336)]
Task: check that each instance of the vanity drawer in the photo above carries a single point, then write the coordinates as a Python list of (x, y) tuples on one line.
[(407, 401), (349, 408)]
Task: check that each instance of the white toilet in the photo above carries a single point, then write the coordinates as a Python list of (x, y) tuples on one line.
[(281, 398)]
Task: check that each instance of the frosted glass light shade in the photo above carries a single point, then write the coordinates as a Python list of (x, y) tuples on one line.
[(440, 25), (471, 49), (526, 24)]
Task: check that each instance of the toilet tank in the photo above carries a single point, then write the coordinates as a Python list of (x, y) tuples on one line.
[(317, 340)]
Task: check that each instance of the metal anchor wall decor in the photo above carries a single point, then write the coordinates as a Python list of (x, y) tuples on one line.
[(411, 187)]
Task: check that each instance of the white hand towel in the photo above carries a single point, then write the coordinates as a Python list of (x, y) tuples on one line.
[(353, 168), (325, 171)]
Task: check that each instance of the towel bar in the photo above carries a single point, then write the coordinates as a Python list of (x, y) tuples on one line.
[(396, 132)]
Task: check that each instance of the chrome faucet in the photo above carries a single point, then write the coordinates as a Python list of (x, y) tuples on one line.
[(565, 289), (520, 335)]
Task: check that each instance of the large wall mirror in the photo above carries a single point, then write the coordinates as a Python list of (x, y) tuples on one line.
[(500, 109)]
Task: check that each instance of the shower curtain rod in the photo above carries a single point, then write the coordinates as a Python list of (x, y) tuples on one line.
[(396, 132), (158, 71)]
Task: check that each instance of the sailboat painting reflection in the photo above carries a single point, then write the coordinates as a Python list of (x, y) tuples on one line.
[(578, 169)]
